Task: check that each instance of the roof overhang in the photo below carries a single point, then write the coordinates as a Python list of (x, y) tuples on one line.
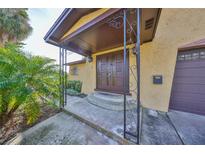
[(103, 32), (64, 22), (193, 45), (82, 61)]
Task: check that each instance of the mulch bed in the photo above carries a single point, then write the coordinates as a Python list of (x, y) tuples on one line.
[(18, 123)]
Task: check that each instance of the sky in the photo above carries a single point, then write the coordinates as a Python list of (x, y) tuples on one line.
[(41, 20)]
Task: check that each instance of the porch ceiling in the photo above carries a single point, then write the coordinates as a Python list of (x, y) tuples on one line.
[(106, 31)]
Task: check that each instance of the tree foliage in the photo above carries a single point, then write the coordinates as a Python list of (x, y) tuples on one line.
[(14, 25), (25, 82)]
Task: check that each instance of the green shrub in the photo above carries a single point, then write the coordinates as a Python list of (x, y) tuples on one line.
[(72, 92), (75, 85), (78, 86), (26, 81)]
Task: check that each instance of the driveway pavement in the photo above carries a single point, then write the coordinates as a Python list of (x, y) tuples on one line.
[(190, 127), (158, 130)]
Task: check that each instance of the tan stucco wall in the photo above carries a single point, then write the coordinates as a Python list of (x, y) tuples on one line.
[(85, 75), (175, 28)]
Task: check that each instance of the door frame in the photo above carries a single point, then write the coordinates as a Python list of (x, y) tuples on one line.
[(128, 74)]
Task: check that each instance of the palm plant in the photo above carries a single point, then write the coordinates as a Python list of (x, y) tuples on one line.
[(14, 25), (25, 82)]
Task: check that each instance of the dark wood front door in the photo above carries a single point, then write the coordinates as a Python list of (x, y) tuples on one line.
[(110, 72)]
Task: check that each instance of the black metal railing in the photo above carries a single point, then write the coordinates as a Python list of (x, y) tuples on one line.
[(132, 116), (62, 76)]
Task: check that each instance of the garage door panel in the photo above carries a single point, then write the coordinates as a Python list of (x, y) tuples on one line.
[(188, 88), (191, 64), (192, 72), (191, 86), (192, 97), (185, 104), (180, 105), (188, 102), (189, 80), (192, 109)]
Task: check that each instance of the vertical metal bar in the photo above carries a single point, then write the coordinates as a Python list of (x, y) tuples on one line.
[(62, 77), (124, 73), (66, 77), (60, 88), (138, 72)]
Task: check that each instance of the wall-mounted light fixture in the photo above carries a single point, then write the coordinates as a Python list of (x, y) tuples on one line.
[(89, 59), (134, 50)]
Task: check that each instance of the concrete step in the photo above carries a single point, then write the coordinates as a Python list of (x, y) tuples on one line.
[(118, 98), (111, 102)]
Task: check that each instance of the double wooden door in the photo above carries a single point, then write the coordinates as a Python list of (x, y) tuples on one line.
[(110, 72)]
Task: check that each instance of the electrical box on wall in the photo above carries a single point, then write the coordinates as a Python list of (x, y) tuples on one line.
[(157, 79)]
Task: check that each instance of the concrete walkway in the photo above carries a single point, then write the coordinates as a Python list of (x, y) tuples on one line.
[(61, 129)]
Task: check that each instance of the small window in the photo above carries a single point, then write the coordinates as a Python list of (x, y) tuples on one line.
[(181, 57), (202, 54), (74, 71), (191, 55), (188, 57), (195, 55)]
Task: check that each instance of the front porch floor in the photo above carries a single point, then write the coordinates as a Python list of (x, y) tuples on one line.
[(156, 130)]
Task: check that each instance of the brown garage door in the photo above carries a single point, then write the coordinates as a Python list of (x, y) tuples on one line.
[(188, 89)]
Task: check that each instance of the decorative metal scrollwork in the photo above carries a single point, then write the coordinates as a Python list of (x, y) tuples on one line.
[(131, 26), (133, 78), (116, 21)]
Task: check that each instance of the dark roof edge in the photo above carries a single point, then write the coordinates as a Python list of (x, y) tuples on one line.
[(77, 62), (156, 23), (63, 15), (191, 47)]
